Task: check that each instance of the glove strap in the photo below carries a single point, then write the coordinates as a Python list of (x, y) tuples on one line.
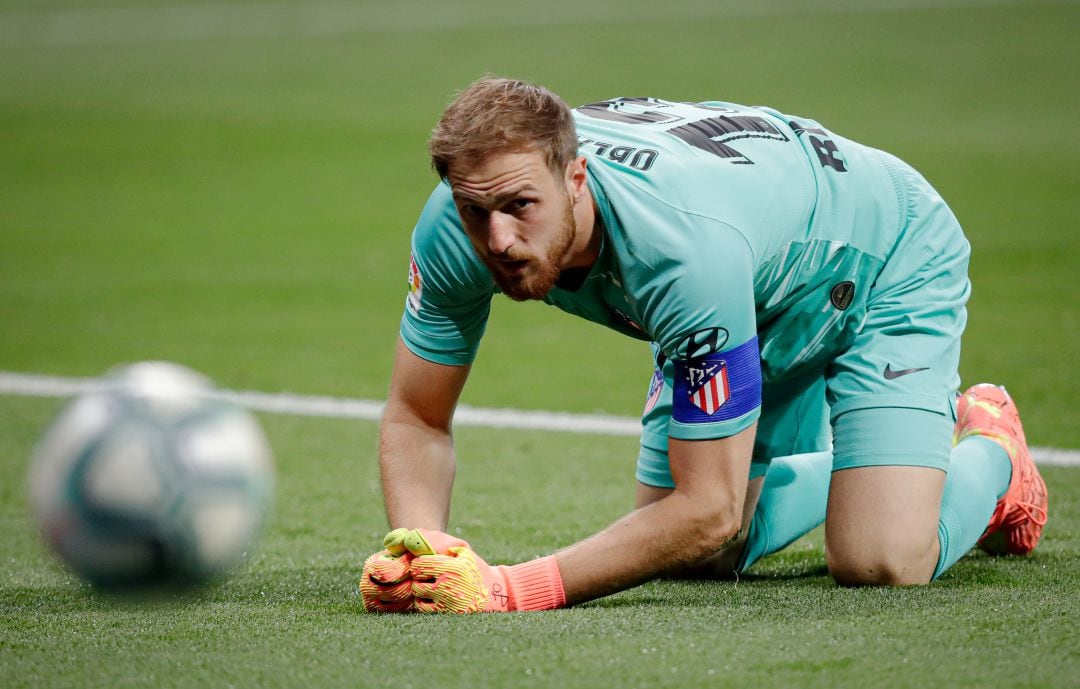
[(535, 585)]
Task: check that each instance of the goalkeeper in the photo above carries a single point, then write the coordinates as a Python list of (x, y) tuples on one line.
[(804, 298)]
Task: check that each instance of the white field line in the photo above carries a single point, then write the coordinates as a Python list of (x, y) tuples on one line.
[(29, 385), (200, 22)]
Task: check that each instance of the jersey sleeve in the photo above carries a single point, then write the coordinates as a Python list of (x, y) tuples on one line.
[(450, 290), (699, 306)]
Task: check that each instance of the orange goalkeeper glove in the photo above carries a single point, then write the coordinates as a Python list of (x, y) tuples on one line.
[(447, 576), (386, 584)]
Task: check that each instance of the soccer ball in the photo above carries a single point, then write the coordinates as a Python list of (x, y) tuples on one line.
[(151, 478)]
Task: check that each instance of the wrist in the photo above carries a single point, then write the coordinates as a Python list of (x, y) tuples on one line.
[(535, 585)]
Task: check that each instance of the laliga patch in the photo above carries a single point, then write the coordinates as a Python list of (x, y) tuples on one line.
[(718, 387), (656, 386), (416, 287)]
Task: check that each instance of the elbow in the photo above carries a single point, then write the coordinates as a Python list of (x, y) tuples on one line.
[(399, 414), (710, 530)]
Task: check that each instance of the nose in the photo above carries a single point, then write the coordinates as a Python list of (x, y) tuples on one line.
[(500, 233)]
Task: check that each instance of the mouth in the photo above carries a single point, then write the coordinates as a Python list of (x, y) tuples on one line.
[(513, 267)]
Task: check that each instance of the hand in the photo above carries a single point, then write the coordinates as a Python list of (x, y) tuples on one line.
[(448, 576), (386, 584), (459, 581)]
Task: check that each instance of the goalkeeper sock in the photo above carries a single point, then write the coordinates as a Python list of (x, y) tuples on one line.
[(534, 585), (979, 474), (792, 502)]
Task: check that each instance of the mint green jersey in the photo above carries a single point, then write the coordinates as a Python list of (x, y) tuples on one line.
[(742, 242)]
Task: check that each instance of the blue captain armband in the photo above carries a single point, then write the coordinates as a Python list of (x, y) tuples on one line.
[(717, 387)]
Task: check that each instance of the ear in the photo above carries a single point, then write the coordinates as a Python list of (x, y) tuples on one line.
[(576, 178)]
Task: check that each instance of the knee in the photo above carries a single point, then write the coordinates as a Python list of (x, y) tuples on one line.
[(880, 568)]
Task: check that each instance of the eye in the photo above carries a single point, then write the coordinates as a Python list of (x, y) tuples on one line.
[(521, 204), (473, 211)]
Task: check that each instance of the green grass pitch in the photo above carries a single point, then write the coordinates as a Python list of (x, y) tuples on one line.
[(292, 617), (243, 206)]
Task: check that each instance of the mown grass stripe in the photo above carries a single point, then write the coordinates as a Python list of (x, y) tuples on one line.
[(224, 21)]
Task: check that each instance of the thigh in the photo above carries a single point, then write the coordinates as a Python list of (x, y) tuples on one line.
[(908, 350), (794, 417)]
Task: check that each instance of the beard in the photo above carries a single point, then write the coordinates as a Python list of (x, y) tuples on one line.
[(540, 273)]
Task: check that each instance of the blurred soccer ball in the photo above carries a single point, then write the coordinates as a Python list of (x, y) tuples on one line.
[(150, 478)]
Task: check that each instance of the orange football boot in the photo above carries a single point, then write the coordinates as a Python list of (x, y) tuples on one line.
[(1018, 519)]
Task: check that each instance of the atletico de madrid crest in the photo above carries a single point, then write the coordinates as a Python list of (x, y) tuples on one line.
[(708, 385), (717, 387), (416, 287)]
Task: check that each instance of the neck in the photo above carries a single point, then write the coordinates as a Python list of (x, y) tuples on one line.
[(586, 247)]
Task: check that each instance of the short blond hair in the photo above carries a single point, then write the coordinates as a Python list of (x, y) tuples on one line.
[(496, 115)]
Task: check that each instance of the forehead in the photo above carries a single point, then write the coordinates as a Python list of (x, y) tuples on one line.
[(500, 173)]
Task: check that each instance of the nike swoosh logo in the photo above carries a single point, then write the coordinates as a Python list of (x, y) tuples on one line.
[(890, 374)]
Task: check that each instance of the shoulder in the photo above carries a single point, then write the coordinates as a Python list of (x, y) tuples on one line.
[(705, 131), (651, 230), (716, 160)]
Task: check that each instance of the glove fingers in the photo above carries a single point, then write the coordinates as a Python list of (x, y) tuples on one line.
[(392, 594), (426, 598), (430, 567), (394, 541), (387, 569), (377, 597), (444, 597), (386, 585), (448, 583), (416, 543)]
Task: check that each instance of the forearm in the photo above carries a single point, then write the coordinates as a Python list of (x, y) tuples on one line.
[(672, 532), (416, 448), (683, 528), (417, 463)]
